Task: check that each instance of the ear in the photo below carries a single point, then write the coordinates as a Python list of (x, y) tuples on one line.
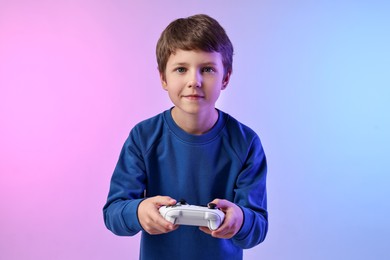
[(163, 81), (226, 79)]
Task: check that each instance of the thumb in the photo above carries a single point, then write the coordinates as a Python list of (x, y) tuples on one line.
[(221, 203), (164, 200)]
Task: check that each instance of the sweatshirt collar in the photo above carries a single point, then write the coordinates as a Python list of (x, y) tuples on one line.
[(191, 138)]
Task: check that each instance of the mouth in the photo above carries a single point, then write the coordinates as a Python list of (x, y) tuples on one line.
[(193, 97)]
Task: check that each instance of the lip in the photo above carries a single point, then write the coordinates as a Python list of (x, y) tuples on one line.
[(193, 97)]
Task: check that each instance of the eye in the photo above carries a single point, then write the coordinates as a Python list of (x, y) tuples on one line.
[(181, 69), (208, 69)]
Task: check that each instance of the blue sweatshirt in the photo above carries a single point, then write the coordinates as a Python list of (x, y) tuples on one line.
[(159, 158)]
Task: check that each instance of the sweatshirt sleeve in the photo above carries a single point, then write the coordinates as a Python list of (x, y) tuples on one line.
[(126, 191), (251, 196)]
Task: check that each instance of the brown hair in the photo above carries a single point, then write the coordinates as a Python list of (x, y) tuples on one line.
[(197, 32)]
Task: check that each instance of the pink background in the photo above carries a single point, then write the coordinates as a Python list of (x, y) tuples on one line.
[(311, 77)]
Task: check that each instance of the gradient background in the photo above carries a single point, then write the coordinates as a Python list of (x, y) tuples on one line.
[(311, 77)]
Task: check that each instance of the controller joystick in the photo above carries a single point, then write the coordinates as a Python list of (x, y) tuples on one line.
[(212, 206), (182, 202)]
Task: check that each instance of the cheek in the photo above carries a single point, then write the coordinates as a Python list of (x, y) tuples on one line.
[(171, 80), (215, 92), (175, 83), (173, 88)]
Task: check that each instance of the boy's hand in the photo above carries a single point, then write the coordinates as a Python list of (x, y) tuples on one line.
[(151, 219), (232, 223)]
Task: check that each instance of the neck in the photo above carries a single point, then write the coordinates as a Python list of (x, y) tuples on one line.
[(195, 124)]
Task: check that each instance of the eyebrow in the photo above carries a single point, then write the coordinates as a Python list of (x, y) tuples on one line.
[(179, 64), (186, 64)]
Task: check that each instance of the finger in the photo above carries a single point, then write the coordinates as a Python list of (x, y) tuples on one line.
[(215, 201), (226, 230), (222, 231), (221, 203), (222, 234), (230, 224), (151, 219), (158, 225), (165, 228), (164, 200), (205, 230)]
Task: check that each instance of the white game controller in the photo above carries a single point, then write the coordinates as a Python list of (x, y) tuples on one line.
[(184, 214)]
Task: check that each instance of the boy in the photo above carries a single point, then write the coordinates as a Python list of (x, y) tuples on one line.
[(191, 151)]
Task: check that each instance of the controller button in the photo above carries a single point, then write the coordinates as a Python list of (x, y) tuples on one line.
[(182, 202), (212, 206)]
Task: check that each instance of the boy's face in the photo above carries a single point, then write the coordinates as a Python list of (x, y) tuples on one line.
[(194, 80)]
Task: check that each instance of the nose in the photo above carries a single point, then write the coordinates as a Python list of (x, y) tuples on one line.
[(195, 80)]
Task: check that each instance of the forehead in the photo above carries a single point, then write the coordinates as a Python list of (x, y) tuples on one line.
[(194, 57)]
